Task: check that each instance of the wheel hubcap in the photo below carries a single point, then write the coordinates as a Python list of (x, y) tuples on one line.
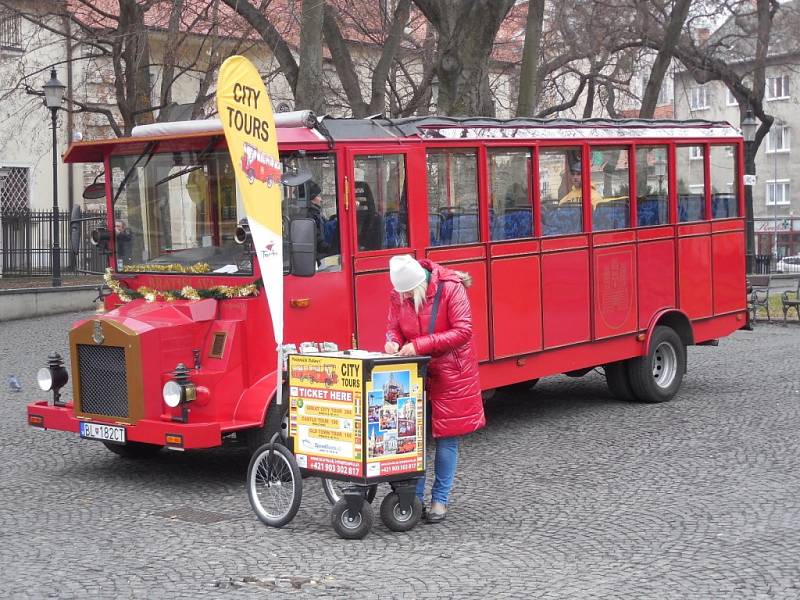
[(401, 515), (350, 521), (665, 365)]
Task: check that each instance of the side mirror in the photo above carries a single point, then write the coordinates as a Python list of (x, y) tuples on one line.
[(75, 230), (303, 237), (95, 191)]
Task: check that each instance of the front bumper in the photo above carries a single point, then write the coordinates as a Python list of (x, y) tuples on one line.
[(148, 431)]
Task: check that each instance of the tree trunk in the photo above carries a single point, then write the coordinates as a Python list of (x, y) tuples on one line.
[(134, 102), (309, 79), (467, 29), (529, 72), (650, 97)]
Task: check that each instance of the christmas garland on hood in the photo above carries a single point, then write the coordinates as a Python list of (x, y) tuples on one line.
[(187, 292)]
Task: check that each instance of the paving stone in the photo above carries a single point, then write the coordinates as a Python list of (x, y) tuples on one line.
[(568, 493)]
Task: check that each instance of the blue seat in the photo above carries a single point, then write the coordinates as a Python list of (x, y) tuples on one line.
[(723, 206), (610, 215), (391, 231), (652, 210), (513, 224), (330, 230), (458, 228), (691, 207), (561, 220), (434, 228)]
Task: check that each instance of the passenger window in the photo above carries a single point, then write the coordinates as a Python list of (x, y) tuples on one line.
[(560, 183), (381, 205), (724, 191), (510, 215), (691, 183), (314, 198), (652, 183), (452, 197), (610, 188)]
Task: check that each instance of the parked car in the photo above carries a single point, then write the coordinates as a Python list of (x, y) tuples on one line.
[(788, 264)]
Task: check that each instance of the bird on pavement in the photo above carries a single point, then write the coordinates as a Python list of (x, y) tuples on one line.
[(14, 384)]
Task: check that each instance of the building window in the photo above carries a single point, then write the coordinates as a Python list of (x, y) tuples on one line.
[(696, 152), (777, 192), (730, 99), (778, 138), (15, 197), (698, 98), (777, 88), (10, 29)]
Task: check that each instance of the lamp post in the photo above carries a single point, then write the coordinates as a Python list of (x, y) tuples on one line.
[(749, 127), (53, 95)]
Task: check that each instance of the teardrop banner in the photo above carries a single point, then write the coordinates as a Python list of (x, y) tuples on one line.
[(246, 114)]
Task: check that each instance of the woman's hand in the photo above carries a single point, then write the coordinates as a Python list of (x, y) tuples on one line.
[(407, 350), (391, 347)]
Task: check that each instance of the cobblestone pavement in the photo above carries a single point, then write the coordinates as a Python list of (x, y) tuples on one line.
[(567, 493)]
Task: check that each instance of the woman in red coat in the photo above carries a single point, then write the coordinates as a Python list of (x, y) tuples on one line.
[(453, 385)]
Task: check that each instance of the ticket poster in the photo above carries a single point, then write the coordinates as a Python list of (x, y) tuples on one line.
[(395, 420), (325, 417)]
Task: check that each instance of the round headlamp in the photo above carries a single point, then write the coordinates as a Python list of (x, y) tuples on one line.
[(45, 379), (172, 393)]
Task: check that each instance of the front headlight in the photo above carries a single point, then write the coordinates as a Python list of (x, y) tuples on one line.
[(45, 379), (172, 393)]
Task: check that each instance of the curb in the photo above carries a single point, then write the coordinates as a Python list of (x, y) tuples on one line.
[(26, 303)]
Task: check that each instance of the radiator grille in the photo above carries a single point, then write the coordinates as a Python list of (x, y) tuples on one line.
[(103, 381)]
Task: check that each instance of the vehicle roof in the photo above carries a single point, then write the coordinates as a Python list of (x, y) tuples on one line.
[(330, 130)]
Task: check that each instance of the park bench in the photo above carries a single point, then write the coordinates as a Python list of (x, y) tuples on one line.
[(790, 299), (759, 294)]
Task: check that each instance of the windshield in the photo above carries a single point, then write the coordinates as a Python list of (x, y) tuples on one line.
[(177, 212)]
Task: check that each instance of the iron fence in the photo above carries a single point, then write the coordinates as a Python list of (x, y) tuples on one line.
[(763, 264), (28, 240)]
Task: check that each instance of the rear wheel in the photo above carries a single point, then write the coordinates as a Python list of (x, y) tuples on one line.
[(618, 381), (658, 376), (349, 525), (398, 519), (134, 450)]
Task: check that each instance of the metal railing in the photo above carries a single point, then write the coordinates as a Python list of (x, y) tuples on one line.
[(28, 239), (763, 264)]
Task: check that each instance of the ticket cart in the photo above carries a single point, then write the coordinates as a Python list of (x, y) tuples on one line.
[(358, 418)]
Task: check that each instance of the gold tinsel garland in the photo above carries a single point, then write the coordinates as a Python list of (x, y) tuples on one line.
[(187, 292), (199, 267)]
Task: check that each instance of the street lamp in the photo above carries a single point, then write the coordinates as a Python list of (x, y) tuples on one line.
[(749, 127), (53, 95)]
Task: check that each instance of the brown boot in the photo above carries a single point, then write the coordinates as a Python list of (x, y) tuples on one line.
[(437, 513)]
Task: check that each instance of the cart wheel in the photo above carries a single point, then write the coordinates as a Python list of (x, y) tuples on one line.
[(274, 485), (334, 490), (397, 520), (349, 526)]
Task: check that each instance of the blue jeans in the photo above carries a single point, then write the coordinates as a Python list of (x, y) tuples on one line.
[(444, 470)]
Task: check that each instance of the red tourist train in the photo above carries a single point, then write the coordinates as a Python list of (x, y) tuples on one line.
[(590, 243)]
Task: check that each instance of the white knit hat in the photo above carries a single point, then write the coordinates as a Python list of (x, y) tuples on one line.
[(405, 273)]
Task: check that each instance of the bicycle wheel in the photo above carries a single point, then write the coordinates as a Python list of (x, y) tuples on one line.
[(274, 485)]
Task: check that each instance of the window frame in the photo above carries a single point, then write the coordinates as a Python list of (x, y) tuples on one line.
[(701, 90), (770, 85), (786, 197), (785, 138)]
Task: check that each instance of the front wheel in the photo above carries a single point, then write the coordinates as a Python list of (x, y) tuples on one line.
[(349, 525), (133, 450), (334, 490), (274, 484), (398, 519), (658, 376)]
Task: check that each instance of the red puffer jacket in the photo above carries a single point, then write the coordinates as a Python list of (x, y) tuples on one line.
[(453, 385)]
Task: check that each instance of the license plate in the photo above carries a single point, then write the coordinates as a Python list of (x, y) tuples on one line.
[(108, 433)]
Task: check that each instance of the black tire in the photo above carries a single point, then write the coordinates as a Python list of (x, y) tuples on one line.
[(618, 380), (333, 490), (351, 527), (394, 518), (520, 387), (277, 420), (134, 450), (658, 376), (274, 488)]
